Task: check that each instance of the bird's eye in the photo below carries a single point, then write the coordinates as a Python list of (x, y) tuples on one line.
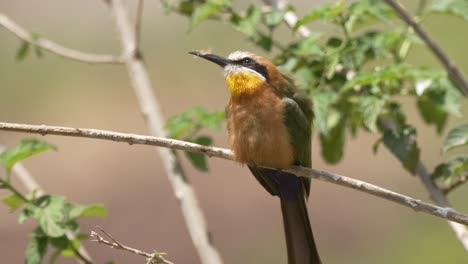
[(246, 60)]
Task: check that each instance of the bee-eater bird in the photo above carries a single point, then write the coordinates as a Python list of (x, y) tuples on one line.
[(269, 124)]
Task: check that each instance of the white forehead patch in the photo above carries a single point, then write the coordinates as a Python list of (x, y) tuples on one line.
[(239, 55)]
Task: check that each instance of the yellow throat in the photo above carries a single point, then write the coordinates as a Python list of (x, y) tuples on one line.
[(243, 82)]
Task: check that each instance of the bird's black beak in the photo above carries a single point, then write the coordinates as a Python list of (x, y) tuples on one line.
[(213, 58)]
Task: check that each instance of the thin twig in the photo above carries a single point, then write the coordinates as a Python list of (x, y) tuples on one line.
[(184, 192), (461, 181), (138, 19), (451, 68), (417, 205), (55, 48), (155, 258), (31, 185)]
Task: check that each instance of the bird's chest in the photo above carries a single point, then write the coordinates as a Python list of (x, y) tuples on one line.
[(257, 131)]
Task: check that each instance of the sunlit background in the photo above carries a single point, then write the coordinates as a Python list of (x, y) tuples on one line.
[(245, 221)]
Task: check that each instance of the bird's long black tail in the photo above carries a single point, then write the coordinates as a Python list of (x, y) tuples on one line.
[(290, 189), (298, 231)]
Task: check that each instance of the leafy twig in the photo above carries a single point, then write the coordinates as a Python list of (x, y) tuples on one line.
[(55, 48), (451, 68), (155, 258), (31, 185), (443, 212)]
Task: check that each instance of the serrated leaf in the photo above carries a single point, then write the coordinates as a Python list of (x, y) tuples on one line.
[(51, 215), (13, 201), (403, 145), (203, 12), (451, 7), (78, 210), (457, 137), (36, 250), (22, 51), (322, 103), (199, 160), (23, 150), (371, 107)]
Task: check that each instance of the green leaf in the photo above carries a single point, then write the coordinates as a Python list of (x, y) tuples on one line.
[(263, 41), (378, 76), (60, 242), (23, 150), (27, 212), (307, 46), (13, 201), (457, 137), (36, 250), (203, 12), (371, 107), (247, 24), (183, 125), (275, 17), (325, 12), (198, 160), (332, 144), (448, 171), (366, 12), (437, 101), (22, 51), (403, 145), (78, 210), (451, 7), (51, 215), (323, 113)]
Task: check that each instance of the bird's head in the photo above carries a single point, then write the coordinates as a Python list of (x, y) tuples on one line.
[(244, 72)]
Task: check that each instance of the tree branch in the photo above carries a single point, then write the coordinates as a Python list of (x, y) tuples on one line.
[(155, 258), (184, 192), (138, 19), (417, 205), (451, 68), (55, 48), (31, 184), (435, 193)]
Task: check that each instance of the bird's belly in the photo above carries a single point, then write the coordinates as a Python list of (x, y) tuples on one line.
[(258, 134)]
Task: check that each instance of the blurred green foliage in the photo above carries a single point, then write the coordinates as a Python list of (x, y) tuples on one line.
[(56, 216)]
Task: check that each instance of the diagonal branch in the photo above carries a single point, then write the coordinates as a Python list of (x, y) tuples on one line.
[(417, 205), (183, 191), (451, 68), (55, 48)]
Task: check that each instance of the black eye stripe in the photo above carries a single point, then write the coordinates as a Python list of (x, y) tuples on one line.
[(252, 64)]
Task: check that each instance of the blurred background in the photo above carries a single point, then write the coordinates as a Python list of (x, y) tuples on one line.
[(350, 227)]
